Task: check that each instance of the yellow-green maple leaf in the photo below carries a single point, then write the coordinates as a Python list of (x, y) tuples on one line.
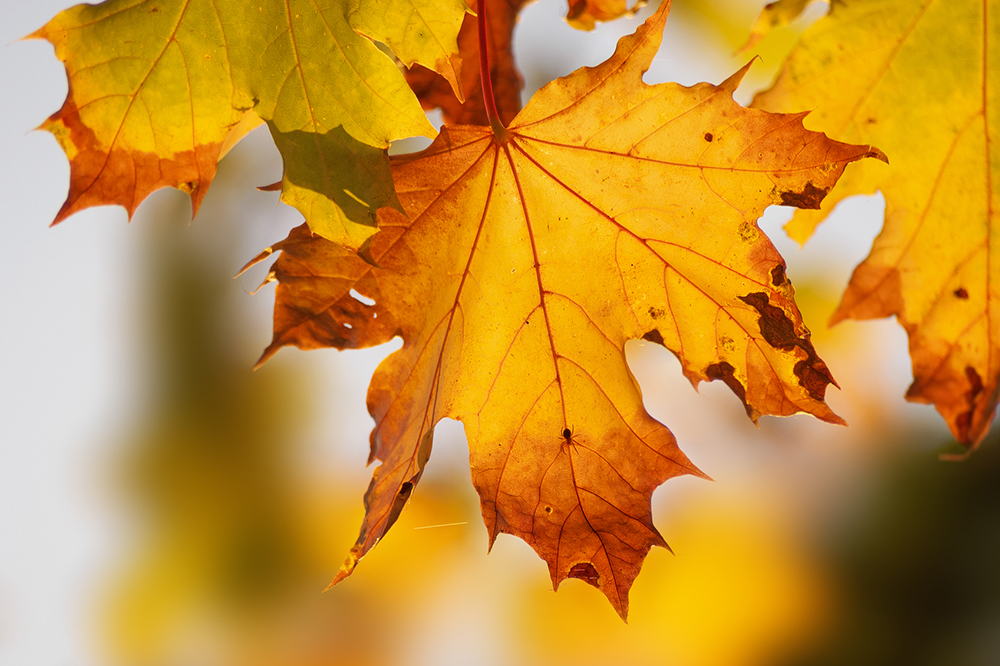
[(155, 86), (921, 80), (424, 32)]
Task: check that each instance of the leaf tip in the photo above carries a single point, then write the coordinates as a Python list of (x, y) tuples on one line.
[(736, 78), (346, 569), (877, 154), (365, 252), (267, 354), (41, 33), (264, 254)]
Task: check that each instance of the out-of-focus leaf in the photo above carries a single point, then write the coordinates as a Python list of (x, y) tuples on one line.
[(919, 80), (584, 14), (774, 15)]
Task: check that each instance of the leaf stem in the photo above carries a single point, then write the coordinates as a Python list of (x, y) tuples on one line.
[(499, 131)]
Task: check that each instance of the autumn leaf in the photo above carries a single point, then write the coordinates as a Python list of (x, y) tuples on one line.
[(775, 14), (155, 88), (609, 210), (417, 31), (437, 91), (319, 301), (584, 14), (918, 79), (434, 91)]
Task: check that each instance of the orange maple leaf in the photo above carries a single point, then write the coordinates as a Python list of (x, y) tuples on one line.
[(609, 210)]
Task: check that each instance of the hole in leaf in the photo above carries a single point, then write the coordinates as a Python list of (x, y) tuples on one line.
[(361, 298), (586, 572)]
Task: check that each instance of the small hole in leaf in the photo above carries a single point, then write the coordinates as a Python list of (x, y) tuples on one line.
[(586, 572), (360, 298)]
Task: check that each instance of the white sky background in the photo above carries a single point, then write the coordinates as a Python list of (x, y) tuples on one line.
[(69, 349)]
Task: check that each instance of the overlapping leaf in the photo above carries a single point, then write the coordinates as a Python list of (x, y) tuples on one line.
[(417, 31), (612, 210), (584, 14), (434, 91), (155, 87), (920, 79), (438, 91), (775, 14)]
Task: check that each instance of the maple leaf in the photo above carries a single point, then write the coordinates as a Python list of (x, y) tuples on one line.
[(919, 79), (417, 31), (609, 210), (437, 91), (584, 14), (155, 88), (434, 91), (774, 15)]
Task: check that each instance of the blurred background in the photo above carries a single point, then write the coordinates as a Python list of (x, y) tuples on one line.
[(161, 504)]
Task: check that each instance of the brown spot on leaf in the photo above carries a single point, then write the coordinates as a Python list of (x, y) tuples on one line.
[(709, 137), (656, 313), (962, 293), (810, 197), (778, 275), (748, 232), (964, 420), (586, 572), (725, 372), (813, 377), (397, 506), (779, 332), (777, 329)]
